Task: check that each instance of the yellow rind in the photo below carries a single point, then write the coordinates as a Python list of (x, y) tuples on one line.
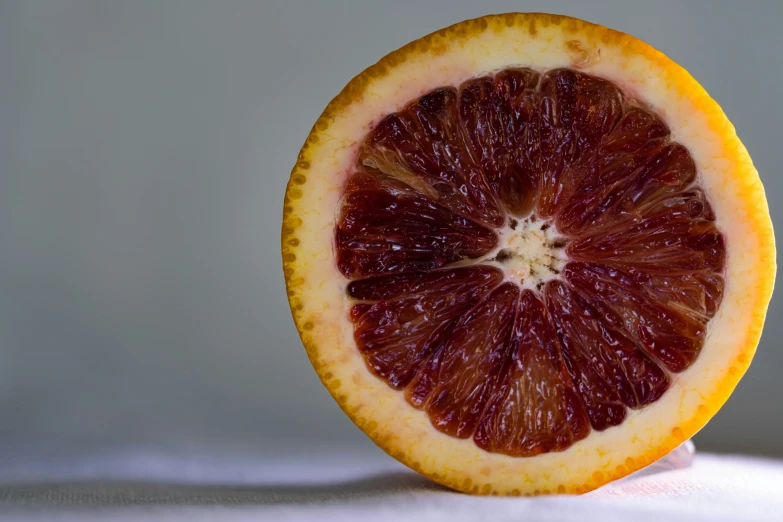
[(322, 339)]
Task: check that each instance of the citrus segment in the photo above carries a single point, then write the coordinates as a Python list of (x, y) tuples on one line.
[(665, 327), (497, 115), (608, 369), (456, 381), (386, 227), (535, 408), (423, 145), (412, 316)]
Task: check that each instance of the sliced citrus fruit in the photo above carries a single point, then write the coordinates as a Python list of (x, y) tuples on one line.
[(527, 254)]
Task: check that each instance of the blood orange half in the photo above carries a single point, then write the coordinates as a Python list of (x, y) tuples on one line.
[(527, 254)]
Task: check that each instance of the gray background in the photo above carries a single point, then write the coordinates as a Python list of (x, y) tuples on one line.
[(144, 151)]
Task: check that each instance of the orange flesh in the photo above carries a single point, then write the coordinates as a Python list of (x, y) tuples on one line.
[(527, 370)]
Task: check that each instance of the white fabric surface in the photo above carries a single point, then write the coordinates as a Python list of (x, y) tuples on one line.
[(345, 487)]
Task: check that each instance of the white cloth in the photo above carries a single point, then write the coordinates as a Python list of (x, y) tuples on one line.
[(342, 487)]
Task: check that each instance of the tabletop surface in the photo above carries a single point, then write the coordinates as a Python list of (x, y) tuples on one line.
[(346, 487)]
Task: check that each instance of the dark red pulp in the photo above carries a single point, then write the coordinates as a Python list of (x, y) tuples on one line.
[(525, 372)]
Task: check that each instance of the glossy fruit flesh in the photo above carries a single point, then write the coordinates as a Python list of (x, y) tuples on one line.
[(526, 369)]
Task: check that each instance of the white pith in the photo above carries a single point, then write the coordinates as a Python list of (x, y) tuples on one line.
[(530, 252), (325, 305)]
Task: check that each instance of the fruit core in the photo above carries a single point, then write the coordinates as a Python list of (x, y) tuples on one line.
[(531, 252), (529, 257)]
